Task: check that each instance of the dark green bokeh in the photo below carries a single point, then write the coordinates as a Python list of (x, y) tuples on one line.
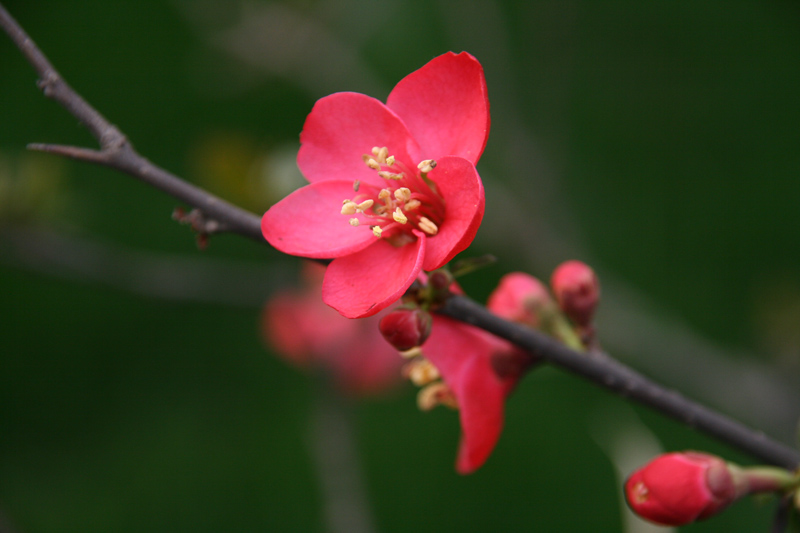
[(665, 151)]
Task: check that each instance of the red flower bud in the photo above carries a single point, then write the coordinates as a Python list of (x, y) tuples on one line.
[(406, 328), (678, 488), (577, 290)]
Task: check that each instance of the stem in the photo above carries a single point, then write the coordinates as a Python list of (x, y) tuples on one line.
[(116, 152), (615, 376)]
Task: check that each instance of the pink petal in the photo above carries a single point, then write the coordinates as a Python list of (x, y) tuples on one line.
[(309, 222), (481, 412), (342, 128), (363, 283), (445, 106), (365, 363), (461, 187), (463, 356)]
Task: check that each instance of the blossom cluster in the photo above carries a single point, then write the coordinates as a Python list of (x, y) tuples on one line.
[(393, 196)]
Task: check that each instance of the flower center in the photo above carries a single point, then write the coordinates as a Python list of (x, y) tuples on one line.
[(409, 200)]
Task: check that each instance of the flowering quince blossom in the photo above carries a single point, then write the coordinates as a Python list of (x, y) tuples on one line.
[(393, 187), (479, 371), (309, 334)]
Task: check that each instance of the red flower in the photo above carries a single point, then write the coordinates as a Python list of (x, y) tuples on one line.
[(309, 334), (393, 188), (679, 488), (480, 371)]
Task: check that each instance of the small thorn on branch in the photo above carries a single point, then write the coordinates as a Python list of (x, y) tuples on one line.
[(200, 224)]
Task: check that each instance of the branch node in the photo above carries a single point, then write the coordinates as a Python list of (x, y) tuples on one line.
[(113, 140), (200, 224), (48, 82)]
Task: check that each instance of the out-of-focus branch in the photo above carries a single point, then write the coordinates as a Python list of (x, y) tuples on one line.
[(116, 152), (171, 277)]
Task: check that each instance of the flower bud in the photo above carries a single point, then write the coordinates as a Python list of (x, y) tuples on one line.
[(577, 290), (520, 297), (679, 488), (406, 328)]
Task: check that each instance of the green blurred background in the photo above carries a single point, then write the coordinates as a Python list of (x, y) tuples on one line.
[(656, 140)]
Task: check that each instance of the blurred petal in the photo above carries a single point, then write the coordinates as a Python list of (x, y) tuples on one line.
[(463, 355)]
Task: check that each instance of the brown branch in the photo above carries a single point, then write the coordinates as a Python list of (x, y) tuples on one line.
[(116, 152)]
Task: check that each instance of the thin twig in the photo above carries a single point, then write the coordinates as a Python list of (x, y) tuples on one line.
[(116, 152)]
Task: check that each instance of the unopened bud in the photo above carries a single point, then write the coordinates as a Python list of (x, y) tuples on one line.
[(406, 328), (679, 488), (577, 291), (520, 297)]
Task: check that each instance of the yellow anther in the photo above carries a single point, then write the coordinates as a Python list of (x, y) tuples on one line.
[(384, 195), (389, 175), (371, 163), (421, 372), (382, 153), (426, 166), (426, 225), (376, 150), (403, 194), (366, 204), (376, 230), (354, 222), (436, 394), (349, 208), (390, 160), (399, 216), (411, 205), (413, 352)]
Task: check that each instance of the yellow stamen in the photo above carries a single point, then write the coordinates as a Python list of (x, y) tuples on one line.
[(436, 394), (376, 150), (399, 216), (403, 194), (354, 222), (426, 225), (421, 372), (413, 352), (382, 153), (413, 204), (384, 195), (376, 230), (371, 163), (349, 208), (390, 160), (389, 175), (366, 204), (426, 166)]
